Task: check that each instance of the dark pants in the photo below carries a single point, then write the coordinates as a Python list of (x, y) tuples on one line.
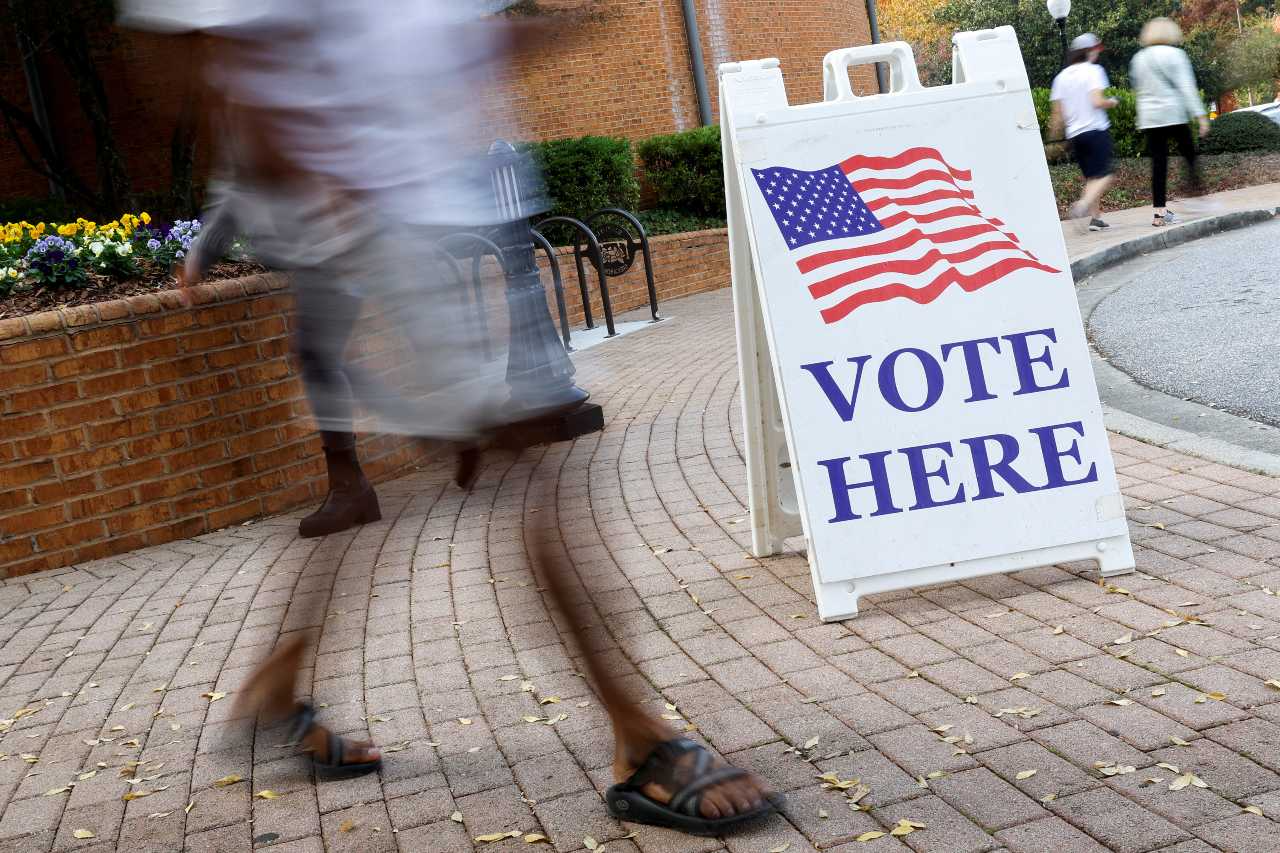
[(1158, 149)]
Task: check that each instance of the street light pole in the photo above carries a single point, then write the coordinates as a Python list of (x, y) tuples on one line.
[(1059, 9)]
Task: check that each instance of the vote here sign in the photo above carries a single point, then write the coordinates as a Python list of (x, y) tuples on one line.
[(922, 323)]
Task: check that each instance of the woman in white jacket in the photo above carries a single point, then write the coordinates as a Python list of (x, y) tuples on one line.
[(1165, 88)]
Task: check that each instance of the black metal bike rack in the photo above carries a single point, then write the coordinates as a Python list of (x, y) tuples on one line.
[(597, 260), (467, 244), (619, 244), (558, 285)]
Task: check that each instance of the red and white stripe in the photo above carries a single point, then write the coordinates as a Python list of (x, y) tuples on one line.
[(934, 237)]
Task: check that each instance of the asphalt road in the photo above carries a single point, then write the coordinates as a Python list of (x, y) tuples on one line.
[(1200, 322)]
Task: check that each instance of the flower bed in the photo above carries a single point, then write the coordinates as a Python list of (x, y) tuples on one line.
[(48, 265)]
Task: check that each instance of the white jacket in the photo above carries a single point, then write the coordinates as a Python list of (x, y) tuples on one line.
[(1165, 87)]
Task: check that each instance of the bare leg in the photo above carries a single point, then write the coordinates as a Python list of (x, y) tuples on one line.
[(270, 695), (1094, 188), (637, 732)]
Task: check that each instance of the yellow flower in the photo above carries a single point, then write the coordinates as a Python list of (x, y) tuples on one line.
[(145, 217)]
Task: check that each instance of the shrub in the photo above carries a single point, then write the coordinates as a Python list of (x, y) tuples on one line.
[(583, 175), (686, 171), (1241, 131), (1125, 136)]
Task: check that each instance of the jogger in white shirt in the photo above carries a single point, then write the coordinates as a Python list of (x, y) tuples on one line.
[(1080, 107)]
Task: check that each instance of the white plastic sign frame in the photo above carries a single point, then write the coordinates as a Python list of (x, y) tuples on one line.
[(947, 425)]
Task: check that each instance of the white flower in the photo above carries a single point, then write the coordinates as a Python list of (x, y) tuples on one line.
[(124, 248), (96, 247)]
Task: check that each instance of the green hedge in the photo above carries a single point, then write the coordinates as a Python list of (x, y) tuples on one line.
[(1125, 136), (686, 171), (1241, 131), (585, 174)]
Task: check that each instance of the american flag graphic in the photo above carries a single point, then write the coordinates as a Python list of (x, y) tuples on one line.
[(900, 227)]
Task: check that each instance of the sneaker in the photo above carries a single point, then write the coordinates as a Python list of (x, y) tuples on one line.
[(1098, 225), (1170, 218)]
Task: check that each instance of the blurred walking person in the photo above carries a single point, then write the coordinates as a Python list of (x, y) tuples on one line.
[(1165, 88), (348, 126), (1080, 110)]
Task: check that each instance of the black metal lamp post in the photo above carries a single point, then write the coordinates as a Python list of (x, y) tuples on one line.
[(1059, 9), (545, 402)]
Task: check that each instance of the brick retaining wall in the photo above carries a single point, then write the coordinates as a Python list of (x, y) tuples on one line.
[(138, 421)]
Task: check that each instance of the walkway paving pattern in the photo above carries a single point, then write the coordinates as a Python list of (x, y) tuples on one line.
[(1030, 712)]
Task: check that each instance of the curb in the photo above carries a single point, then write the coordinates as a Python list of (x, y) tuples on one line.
[(1164, 238), (1133, 425)]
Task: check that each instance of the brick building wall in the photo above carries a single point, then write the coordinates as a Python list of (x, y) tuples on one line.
[(140, 421), (626, 74)]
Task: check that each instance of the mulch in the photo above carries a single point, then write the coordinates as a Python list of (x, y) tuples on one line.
[(103, 289)]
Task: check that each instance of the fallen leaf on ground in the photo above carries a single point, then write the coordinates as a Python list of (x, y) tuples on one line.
[(135, 795), (590, 843), (456, 817), (1018, 676), (906, 827), (490, 837), (156, 815), (189, 806), (347, 825), (1120, 641), (781, 848), (871, 836), (1058, 629), (1274, 682), (267, 794), (1159, 691), (230, 779), (53, 792), (466, 721), (1182, 653), (534, 838), (1254, 810), (1177, 741), (83, 833), (213, 696), (1025, 774), (1121, 702), (508, 677), (811, 742)]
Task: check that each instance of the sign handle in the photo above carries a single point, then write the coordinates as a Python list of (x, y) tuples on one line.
[(897, 54)]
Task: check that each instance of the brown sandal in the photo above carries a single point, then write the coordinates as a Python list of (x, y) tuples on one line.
[(304, 721)]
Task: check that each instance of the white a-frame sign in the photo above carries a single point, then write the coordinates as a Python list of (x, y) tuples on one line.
[(916, 383)]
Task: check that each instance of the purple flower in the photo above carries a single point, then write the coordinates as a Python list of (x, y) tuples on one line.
[(153, 244)]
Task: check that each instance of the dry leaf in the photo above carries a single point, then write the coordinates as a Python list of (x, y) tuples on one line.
[(906, 827), (347, 825), (157, 815), (1177, 741), (1182, 653), (1121, 702), (1120, 641), (548, 700), (83, 833), (1048, 798), (267, 794), (1018, 676), (871, 836), (1058, 629), (534, 838), (228, 780), (135, 795), (590, 843), (1253, 810), (781, 848), (1025, 774), (189, 806), (490, 837), (466, 721), (823, 814), (214, 696), (529, 718), (53, 792), (1181, 782), (1172, 768), (811, 742), (456, 817), (1159, 691), (397, 747), (508, 677), (1216, 695), (1274, 682)]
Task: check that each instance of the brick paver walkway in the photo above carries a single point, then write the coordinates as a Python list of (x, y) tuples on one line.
[(1029, 712)]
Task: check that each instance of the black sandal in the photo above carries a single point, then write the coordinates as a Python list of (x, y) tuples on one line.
[(303, 721), (626, 801)]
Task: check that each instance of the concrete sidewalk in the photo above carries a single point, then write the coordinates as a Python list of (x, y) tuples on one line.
[(1027, 712), (1135, 222)]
